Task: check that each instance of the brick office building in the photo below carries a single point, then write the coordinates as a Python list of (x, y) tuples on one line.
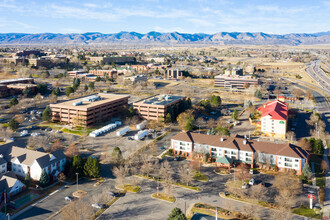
[(157, 107), (102, 73), (90, 110)]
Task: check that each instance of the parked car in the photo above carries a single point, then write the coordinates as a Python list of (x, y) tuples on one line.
[(162, 148), (68, 198), (113, 194), (251, 171), (12, 139), (244, 186), (98, 206), (35, 134), (176, 158), (251, 182), (48, 129)]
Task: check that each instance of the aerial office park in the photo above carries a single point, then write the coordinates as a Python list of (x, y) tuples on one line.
[(169, 134)]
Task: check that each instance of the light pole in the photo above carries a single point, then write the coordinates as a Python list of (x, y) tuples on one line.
[(234, 173), (77, 174)]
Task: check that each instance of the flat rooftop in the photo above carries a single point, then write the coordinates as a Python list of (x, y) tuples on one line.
[(14, 80), (160, 100), (85, 105)]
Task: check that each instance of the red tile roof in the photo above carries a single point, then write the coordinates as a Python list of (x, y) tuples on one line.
[(277, 110)]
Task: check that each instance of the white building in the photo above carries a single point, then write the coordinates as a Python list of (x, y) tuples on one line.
[(10, 185), (24, 161), (240, 150), (274, 118)]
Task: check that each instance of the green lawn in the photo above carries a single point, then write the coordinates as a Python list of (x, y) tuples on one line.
[(130, 188), (307, 212), (164, 196), (78, 131), (196, 188), (201, 177)]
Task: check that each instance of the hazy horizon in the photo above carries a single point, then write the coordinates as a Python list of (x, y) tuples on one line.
[(187, 16)]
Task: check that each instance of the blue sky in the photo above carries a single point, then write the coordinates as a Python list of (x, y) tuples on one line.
[(188, 16)]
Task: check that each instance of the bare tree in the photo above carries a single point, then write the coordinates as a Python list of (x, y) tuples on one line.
[(200, 122), (324, 166), (77, 210), (259, 192), (57, 145), (211, 123), (242, 172), (165, 171), (249, 211), (291, 136), (287, 188), (120, 173), (72, 150), (304, 144), (185, 174)]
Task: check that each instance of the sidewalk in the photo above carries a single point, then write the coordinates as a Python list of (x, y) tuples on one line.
[(326, 207)]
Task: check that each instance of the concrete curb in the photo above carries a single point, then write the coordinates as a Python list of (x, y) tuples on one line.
[(261, 206), (163, 199)]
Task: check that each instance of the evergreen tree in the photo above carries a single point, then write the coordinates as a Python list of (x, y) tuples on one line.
[(98, 79), (27, 179), (96, 168), (88, 166), (235, 114), (307, 172), (168, 118), (91, 85), (215, 101), (13, 124), (85, 88), (68, 91), (116, 156), (44, 179), (176, 214), (13, 102), (78, 164), (258, 94), (190, 124), (47, 114)]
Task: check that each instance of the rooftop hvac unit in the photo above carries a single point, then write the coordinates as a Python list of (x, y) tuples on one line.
[(77, 103)]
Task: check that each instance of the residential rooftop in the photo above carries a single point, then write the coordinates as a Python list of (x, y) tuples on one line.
[(160, 100), (91, 101)]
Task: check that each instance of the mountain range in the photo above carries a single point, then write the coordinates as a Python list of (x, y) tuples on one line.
[(221, 38)]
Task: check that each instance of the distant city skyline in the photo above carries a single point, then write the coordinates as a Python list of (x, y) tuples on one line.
[(186, 16)]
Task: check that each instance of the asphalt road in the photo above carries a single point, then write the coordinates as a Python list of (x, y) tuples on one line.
[(54, 203), (322, 105), (318, 75)]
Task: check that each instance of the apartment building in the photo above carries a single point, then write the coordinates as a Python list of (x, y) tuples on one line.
[(10, 185), (103, 73), (234, 82), (90, 110), (156, 108), (240, 150), (24, 161), (274, 118)]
